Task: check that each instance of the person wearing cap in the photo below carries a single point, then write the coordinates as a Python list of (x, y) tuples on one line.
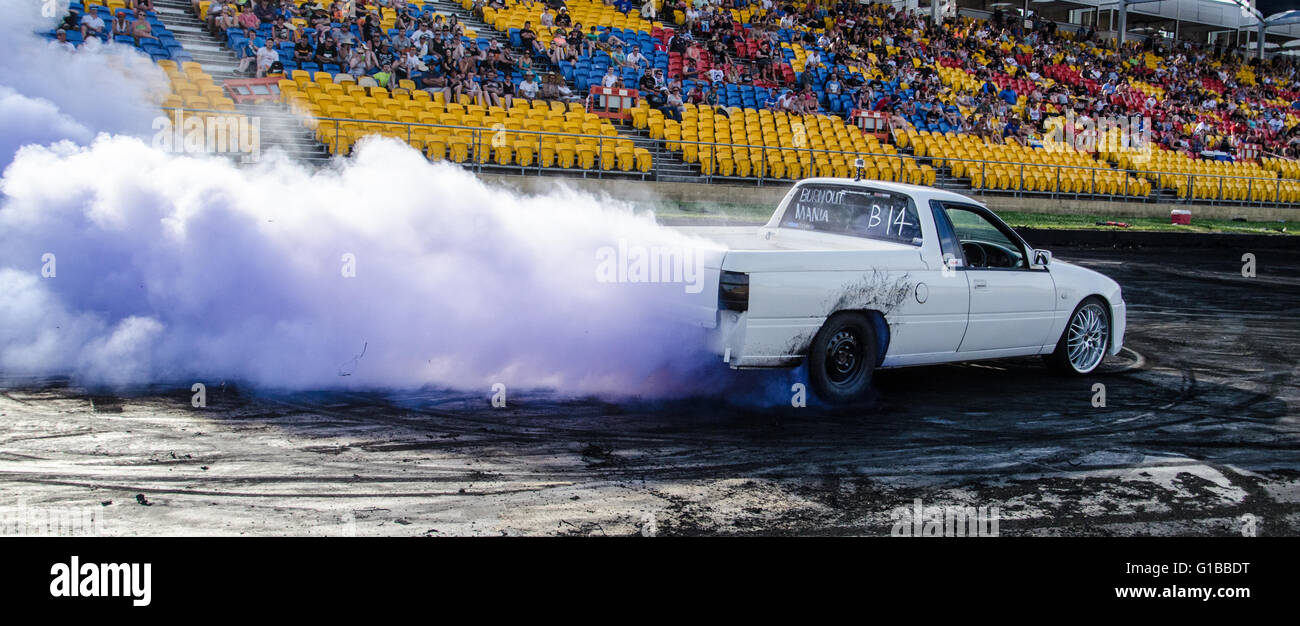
[(61, 41), (672, 108), (93, 26), (636, 59)]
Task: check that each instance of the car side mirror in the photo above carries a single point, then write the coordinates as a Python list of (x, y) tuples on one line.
[(1042, 259)]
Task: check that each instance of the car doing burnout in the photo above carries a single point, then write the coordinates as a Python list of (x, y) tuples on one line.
[(854, 275)]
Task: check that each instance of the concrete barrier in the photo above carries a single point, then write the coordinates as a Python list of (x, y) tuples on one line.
[(770, 195), (1048, 238)]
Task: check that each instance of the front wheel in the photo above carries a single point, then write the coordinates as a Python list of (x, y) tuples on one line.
[(842, 358), (1085, 341)]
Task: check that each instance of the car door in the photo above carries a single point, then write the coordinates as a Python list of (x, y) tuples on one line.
[(1012, 306), (933, 321)]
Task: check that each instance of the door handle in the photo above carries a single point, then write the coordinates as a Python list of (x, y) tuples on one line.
[(981, 283)]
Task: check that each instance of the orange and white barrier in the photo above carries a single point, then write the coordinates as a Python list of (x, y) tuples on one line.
[(871, 122), (612, 103)]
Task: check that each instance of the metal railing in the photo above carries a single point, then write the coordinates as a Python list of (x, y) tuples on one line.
[(481, 142), (480, 151)]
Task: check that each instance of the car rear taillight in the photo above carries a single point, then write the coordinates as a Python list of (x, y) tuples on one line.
[(733, 291)]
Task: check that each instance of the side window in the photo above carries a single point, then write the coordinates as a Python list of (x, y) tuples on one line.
[(948, 244), (983, 243)]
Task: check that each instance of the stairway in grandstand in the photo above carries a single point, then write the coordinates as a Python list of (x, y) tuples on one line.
[(279, 128), (192, 34), (669, 165), (485, 30)]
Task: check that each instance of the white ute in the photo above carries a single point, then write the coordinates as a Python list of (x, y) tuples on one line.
[(853, 275)]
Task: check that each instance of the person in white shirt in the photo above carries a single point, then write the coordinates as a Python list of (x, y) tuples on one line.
[(265, 57), (546, 19), (61, 41), (422, 34), (785, 102), (91, 24), (609, 79), (716, 74), (528, 88), (635, 58)]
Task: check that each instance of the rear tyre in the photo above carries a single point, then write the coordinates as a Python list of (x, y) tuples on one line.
[(1085, 341), (842, 358)]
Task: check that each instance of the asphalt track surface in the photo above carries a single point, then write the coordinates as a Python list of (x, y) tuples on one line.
[(1198, 436)]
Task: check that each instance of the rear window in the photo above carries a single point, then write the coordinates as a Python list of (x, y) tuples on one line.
[(854, 211)]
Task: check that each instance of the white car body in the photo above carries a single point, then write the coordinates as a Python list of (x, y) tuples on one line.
[(926, 311)]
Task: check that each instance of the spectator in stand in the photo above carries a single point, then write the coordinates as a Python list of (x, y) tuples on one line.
[(93, 26), (672, 108), (528, 37), (61, 41), (303, 52), (384, 76), (499, 92), (266, 56), (248, 21), (1008, 95), (689, 70), (470, 87), (264, 12), (617, 58), (523, 65), (786, 102), (140, 28), (636, 59), (435, 81), (528, 88), (647, 84), (327, 52), (714, 99), (220, 16)]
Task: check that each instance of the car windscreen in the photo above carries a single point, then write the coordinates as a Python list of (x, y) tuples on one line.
[(854, 211)]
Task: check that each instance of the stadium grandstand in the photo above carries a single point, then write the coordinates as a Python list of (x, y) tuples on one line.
[(1126, 100)]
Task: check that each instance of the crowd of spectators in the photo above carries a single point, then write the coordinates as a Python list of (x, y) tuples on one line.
[(1205, 104), (872, 57), (1204, 107)]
